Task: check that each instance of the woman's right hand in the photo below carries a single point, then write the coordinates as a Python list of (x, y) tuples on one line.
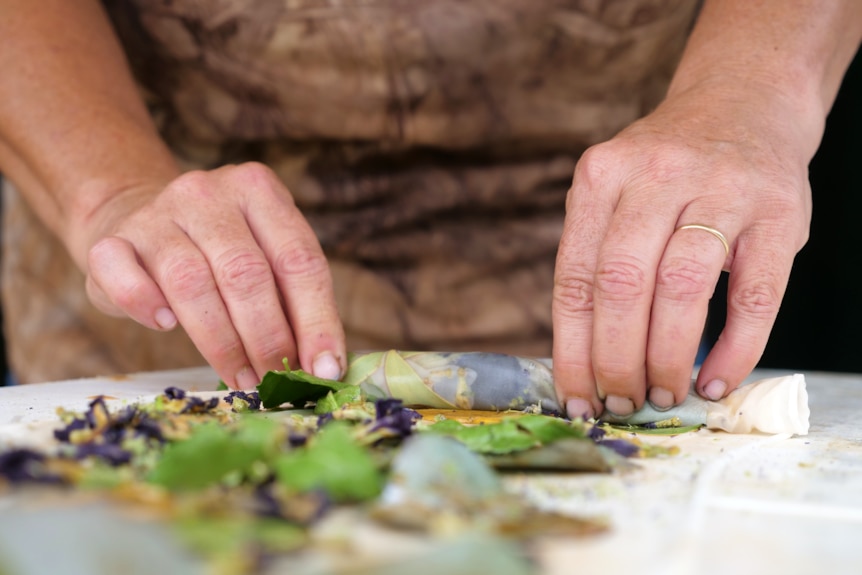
[(226, 254)]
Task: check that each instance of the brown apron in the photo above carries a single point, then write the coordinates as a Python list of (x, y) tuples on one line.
[(429, 143)]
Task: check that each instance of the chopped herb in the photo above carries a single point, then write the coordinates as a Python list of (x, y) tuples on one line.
[(332, 462), (242, 401), (212, 452)]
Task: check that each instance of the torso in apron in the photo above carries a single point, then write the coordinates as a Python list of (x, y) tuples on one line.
[(429, 143)]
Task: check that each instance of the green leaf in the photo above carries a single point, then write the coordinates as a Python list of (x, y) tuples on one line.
[(510, 435), (101, 476), (294, 387), (212, 451), (657, 430), (230, 537), (333, 462), (333, 401), (222, 386), (503, 437), (549, 429)]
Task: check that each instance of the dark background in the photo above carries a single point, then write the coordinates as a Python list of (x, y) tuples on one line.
[(819, 326)]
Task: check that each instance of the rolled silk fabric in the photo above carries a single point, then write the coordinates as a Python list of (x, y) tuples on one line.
[(497, 382)]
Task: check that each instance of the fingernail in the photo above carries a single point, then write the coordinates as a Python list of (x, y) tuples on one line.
[(578, 407), (325, 366), (246, 378), (619, 405), (165, 318), (715, 389), (660, 398)]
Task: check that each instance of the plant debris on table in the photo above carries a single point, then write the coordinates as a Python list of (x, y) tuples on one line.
[(242, 477)]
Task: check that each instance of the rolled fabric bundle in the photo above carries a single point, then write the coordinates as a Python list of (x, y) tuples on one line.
[(774, 405), (455, 380), (497, 382)]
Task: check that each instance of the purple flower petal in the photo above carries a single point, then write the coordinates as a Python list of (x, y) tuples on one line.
[(392, 415), (296, 439), (198, 405), (64, 433), (621, 446), (25, 465), (175, 393), (113, 454), (252, 398), (96, 407)]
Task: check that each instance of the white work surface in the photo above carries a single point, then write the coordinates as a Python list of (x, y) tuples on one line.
[(726, 504)]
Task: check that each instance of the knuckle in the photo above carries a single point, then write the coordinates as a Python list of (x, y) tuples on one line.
[(621, 280), (258, 176), (102, 252), (683, 279), (573, 293), (757, 299), (243, 272), (225, 352), (192, 186), (187, 278), (129, 295), (254, 169), (595, 165), (191, 180), (613, 373), (271, 348), (302, 261)]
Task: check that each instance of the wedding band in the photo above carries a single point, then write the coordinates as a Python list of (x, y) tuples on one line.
[(713, 231)]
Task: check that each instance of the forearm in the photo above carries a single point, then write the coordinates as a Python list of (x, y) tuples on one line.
[(73, 129), (793, 51)]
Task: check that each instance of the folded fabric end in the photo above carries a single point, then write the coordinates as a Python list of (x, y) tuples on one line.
[(775, 405)]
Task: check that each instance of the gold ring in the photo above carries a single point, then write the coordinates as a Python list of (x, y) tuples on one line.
[(713, 231)]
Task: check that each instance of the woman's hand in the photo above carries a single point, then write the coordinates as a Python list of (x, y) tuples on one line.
[(228, 255), (727, 152), (632, 288)]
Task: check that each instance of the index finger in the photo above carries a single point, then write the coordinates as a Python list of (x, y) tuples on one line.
[(589, 207)]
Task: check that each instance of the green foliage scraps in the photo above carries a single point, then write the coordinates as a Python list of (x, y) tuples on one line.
[(649, 430), (492, 438), (333, 401), (510, 435), (235, 544), (549, 429), (213, 451), (333, 462), (295, 387)]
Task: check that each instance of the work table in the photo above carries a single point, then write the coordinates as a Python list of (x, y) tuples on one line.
[(725, 504)]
